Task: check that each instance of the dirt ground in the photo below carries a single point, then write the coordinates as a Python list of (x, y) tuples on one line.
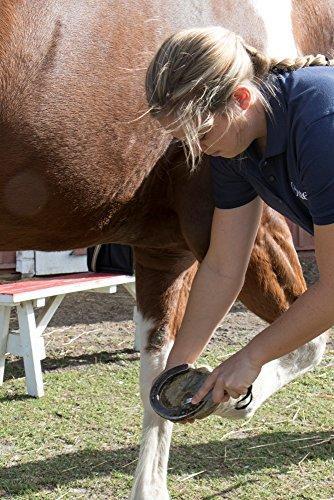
[(90, 328)]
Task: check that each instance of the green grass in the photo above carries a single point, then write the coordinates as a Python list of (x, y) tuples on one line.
[(81, 440)]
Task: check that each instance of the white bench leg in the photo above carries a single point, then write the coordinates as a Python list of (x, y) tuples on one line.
[(131, 289), (31, 349), (4, 326)]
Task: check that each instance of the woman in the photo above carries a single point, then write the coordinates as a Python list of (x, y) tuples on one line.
[(268, 127)]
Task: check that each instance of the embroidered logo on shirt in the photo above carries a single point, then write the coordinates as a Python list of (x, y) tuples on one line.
[(300, 194)]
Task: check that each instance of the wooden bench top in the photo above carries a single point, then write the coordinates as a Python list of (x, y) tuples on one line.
[(12, 293)]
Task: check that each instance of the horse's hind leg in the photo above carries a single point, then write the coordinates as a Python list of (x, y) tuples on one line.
[(163, 280), (276, 374)]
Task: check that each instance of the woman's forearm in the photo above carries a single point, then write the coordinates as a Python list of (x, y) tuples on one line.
[(211, 296), (308, 317)]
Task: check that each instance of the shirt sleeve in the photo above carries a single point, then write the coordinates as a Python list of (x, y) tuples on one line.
[(230, 188), (316, 162)]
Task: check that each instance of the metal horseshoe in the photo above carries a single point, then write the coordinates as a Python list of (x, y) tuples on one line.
[(177, 413)]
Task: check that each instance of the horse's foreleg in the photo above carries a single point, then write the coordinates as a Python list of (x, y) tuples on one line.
[(163, 280)]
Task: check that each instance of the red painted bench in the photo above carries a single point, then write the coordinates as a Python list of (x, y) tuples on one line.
[(45, 293)]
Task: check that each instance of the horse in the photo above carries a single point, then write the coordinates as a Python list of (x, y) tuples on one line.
[(82, 164)]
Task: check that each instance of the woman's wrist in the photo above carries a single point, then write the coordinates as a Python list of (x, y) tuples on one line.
[(178, 360), (186, 349), (256, 352)]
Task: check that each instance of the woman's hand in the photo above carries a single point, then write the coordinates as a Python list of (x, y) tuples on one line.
[(230, 379)]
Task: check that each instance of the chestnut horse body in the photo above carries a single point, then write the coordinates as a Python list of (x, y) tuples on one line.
[(79, 167)]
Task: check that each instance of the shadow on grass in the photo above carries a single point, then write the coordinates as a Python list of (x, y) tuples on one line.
[(14, 369), (93, 308), (279, 450)]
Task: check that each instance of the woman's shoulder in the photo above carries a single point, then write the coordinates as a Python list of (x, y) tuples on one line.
[(310, 90), (314, 77)]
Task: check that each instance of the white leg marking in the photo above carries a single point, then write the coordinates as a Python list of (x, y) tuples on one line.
[(151, 474), (276, 374), (276, 17), (137, 321)]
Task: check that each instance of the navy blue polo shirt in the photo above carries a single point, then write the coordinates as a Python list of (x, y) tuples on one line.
[(295, 176)]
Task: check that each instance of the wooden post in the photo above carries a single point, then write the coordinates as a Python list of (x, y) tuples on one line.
[(30, 341)]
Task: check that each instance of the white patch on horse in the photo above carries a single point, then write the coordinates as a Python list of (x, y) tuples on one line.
[(277, 18), (266, 24), (151, 473)]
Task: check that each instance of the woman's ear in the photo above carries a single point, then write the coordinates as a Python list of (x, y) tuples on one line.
[(243, 97)]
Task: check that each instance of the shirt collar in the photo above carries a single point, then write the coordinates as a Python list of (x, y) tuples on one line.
[(276, 122)]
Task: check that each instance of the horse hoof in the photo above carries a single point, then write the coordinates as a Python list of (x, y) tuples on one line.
[(172, 391)]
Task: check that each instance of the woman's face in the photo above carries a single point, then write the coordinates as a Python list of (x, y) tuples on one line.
[(222, 139)]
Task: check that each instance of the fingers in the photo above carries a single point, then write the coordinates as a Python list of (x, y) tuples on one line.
[(233, 394), (205, 388), (242, 391), (219, 393)]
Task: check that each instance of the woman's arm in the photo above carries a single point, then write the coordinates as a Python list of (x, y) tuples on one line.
[(218, 281), (309, 316)]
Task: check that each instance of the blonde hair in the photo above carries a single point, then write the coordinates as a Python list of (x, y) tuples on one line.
[(196, 71)]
